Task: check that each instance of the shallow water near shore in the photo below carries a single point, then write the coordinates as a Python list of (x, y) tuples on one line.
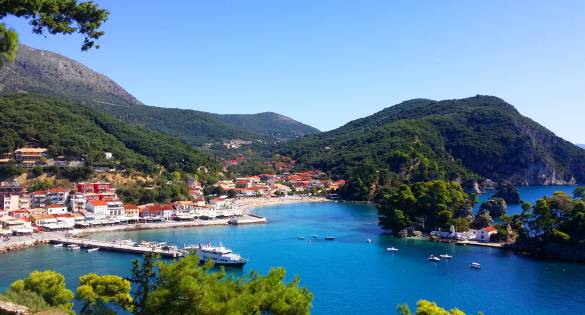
[(348, 275)]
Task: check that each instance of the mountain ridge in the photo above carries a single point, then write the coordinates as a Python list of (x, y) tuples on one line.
[(43, 72), (461, 139)]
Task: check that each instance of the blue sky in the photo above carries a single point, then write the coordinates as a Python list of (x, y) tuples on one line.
[(328, 62)]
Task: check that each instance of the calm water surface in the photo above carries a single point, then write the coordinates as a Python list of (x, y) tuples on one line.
[(348, 275)]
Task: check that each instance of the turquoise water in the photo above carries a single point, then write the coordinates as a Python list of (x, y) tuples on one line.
[(348, 275)]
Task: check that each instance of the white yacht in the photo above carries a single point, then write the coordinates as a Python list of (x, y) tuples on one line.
[(433, 258), (73, 247), (446, 256), (220, 255), (391, 249)]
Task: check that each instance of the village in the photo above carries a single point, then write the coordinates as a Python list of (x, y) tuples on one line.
[(95, 204)]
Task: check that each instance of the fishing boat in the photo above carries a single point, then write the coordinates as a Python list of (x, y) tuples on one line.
[(73, 247), (301, 238), (391, 249), (475, 265), (330, 238), (91, 250), (433, 258), (446, 256), (58, 245)]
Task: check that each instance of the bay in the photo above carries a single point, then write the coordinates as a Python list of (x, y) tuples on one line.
[(349, 275)]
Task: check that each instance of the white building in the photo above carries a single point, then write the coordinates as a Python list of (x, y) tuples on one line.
[(15, 202), (56, 209), (483, 235), (99, 208), (115, 209)]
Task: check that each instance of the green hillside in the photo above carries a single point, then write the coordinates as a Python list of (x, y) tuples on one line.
[(269, 124), (468, 139), (66, 128)]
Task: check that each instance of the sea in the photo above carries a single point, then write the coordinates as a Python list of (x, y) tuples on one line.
[(350, 275)]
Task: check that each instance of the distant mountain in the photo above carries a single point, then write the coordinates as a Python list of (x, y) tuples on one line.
[(48, 73), (45, 72), (269, 123), (420, 139), (581, 146), (66, 128)]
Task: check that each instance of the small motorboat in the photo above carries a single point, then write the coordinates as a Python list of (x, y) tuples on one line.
[(433, 258), (58, 245), (315, 236), (369, 240), (91, 250), (391, 249), (330, 238), (301, 238), (475, 265), (446, 256), (73, 247)]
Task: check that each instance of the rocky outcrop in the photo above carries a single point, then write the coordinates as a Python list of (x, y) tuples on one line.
[(508, 192), (550, 250), (481, 220), (45, 72), (496, 207), (466, 212), (7, 308), (471, 187)]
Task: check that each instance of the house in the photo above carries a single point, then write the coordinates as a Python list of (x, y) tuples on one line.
[(30, 154), (99, 208), (55, 209), (131, 211), (115, 209), (161, 211), (96, 188), (77, 202), (43, 219), (200, 201), (483, 235), (39, 199), (19, 214), (218, 202), (15, 202)]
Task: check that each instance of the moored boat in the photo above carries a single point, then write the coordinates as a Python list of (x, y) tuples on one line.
[(391, 249), (301, 238), (433, 258), (94, 249), (475, 265), (73, 247), (220, 255), (330, 238), (58, 245), (446, 256)]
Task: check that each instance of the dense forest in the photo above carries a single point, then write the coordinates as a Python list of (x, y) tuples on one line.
[(66, 128), (421, 140)]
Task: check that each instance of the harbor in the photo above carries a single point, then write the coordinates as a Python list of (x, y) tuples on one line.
[(124, 246)]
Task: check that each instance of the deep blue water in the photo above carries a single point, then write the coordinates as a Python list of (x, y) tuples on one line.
[(348, 275)]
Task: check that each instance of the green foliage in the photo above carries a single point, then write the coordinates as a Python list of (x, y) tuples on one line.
[(103, 290), (144, 277), (428, 205), (49, 285), (8, 44), (34, 302), (557, 219), (423, 140), (424, 307), (58, 17), (184, 287), (70, 129)]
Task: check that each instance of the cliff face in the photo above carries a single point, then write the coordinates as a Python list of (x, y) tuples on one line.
[(45, 72)]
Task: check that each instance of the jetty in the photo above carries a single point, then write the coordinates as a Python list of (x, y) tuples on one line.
[(137, 249)]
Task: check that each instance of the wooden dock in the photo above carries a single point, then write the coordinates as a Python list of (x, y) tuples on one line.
[(119, 247)]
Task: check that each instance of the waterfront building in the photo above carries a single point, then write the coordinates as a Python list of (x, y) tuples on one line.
[(56, 209), (115, 209), (77, 202), (99, 209), (483, 235), (40, 199)]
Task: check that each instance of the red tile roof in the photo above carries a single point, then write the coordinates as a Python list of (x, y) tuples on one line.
[(490, 229), (98, 202)]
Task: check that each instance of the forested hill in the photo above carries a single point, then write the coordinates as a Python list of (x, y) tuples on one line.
[(269, 123), (66, 128), (477, 137), (44, 72)]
